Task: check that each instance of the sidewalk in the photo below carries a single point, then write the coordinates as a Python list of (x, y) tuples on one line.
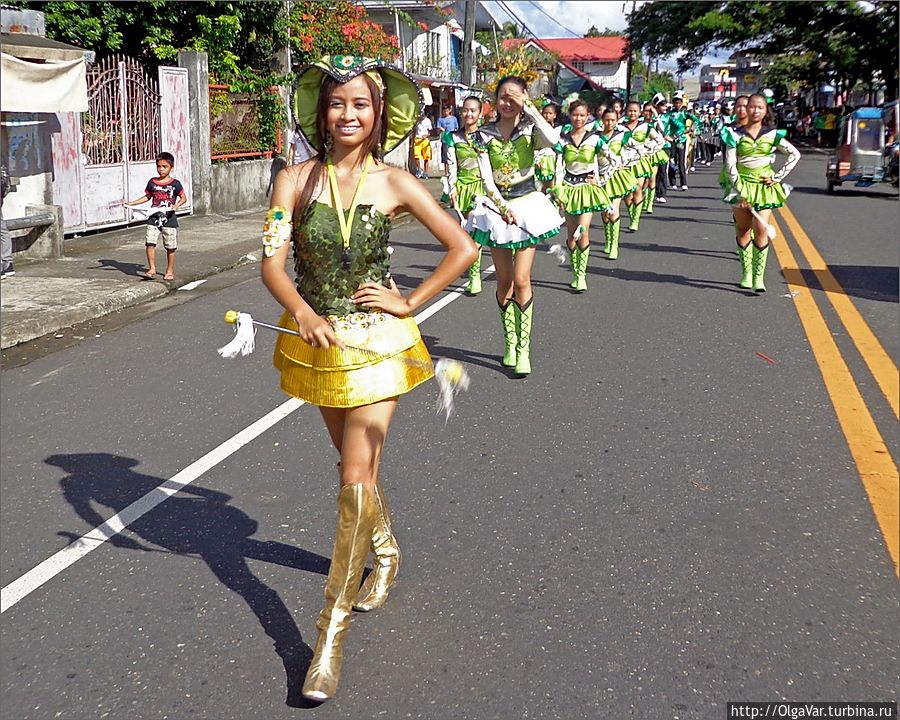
[(100, 273)]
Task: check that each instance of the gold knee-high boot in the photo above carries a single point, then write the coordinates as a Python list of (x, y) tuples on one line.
[(357, 515), (375, 589)]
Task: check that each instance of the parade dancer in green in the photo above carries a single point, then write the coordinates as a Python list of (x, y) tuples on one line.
[(578, 188), (754, 186), (463, 176), (644, 141), (514, 215), (622, 182), (656, 143)]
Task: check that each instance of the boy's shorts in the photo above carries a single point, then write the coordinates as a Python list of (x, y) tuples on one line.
[(169, 236)]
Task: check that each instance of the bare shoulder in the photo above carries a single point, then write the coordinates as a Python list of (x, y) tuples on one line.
[(292, 179), (399, 180)]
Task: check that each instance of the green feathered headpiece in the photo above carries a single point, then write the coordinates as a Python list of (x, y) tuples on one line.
[(400, 94)]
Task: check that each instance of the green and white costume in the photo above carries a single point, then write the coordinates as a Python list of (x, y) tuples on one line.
[(463, 174), (576, 165), (646, 140), (749, 161), (508, 170), (623, 180)]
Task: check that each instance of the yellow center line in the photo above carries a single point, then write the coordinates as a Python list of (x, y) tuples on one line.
[(880, 363), (876, 467)]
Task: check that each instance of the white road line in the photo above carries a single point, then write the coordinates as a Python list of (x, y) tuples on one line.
[(55, 564)]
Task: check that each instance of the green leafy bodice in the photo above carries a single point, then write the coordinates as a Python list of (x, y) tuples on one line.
[(326, 276)]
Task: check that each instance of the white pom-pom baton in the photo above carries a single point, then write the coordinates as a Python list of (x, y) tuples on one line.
[(557, 251), (451, 375), (244, 340)]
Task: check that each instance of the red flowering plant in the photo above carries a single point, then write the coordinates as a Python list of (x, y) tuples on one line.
[(337, 27)]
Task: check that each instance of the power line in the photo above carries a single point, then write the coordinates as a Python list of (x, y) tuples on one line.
[(516, 18), (541, 10)]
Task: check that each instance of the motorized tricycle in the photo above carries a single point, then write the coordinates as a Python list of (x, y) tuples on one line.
[(860, 156)]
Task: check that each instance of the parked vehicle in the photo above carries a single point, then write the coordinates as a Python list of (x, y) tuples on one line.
[(859, 154), (891, 117)]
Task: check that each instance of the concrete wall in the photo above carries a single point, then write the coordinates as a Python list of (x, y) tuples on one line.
[(43, 241), (198, 90), (239, 185)]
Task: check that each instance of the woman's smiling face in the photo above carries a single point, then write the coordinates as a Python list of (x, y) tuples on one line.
[(351, 112), (510, 98)]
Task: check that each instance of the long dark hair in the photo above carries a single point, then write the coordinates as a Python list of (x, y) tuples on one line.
[(372, 145), (515, 79)]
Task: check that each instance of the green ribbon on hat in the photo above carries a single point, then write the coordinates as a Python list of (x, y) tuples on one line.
[(401, 95)]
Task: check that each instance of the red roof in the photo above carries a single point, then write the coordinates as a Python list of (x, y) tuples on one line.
[(596, 49)]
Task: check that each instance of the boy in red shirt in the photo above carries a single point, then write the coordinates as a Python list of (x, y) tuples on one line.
[(166, 195)]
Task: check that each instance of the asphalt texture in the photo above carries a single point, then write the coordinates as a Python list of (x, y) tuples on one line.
[(655, 522)]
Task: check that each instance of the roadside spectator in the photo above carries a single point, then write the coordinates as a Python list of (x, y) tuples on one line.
[(829, 128), (819, 126), (6, 253), (447, 122), (166, 195), (422, 147)]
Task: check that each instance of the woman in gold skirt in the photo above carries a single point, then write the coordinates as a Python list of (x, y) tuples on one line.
[(358, 347)]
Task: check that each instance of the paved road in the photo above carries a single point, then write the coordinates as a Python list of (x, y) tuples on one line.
[(655, 522)]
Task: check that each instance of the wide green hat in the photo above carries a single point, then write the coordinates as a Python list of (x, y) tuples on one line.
[(401, 95)]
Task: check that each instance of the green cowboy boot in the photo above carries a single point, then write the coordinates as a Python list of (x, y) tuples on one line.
[(760, 255), (614, 239), (474, 285), (746, 256), (648, 200), (575, 259), (607, 231), (630, 209), (636, 216), (523, 336), (581, 279), (508, 316)]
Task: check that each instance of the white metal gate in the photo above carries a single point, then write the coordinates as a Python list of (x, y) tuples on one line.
[(107, 154)]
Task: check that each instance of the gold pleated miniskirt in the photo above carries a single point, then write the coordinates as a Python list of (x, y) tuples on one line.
[(385, 357)]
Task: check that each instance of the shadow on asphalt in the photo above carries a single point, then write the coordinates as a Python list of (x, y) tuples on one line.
[(848, 190), (486, 360), (431, 247), (133, 269), (678, 219), (647, 276), (205, 527), (656, 247), (871, 282), (408, 282)]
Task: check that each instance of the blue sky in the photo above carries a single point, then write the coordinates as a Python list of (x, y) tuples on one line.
[(573, 18)]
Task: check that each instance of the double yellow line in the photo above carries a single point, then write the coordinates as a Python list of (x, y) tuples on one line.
[(877, 469)]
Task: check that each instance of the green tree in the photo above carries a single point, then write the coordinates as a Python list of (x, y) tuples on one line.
[(852, 41), (238, 34), (510, 30), (338, 27), (606, 32)]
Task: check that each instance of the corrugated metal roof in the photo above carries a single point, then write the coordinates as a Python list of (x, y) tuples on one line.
[(36, 47), (596, 49)]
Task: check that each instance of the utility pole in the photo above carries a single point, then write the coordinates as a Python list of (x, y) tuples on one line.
[(282, 65), (630, 62), (468, 52)]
